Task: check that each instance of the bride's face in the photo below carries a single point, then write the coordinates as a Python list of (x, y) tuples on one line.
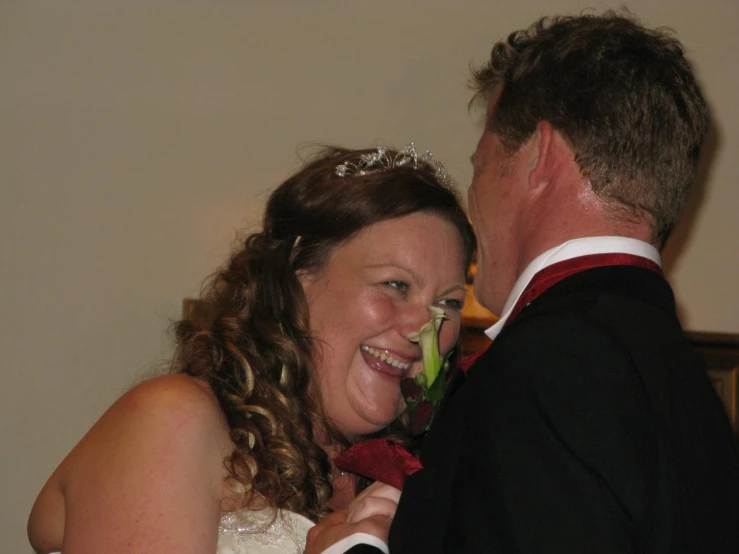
[(372, 292)]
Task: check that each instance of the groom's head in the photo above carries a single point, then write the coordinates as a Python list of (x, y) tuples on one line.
[(622, 96)]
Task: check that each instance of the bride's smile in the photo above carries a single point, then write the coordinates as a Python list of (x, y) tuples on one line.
[(385, 362)]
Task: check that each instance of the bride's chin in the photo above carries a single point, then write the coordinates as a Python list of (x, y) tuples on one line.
[(387, 417), (369, 427)]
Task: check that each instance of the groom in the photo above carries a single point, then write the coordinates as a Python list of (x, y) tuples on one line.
[(589, 425)]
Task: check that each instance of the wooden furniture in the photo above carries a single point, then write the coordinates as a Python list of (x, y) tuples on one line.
[(721, 354)]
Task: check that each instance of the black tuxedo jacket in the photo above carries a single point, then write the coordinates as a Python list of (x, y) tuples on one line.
[(588, 426)]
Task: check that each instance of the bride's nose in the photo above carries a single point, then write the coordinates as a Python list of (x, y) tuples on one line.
[(413, 319)]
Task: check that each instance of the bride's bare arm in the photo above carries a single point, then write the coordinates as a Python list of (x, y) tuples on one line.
[(146, 478)]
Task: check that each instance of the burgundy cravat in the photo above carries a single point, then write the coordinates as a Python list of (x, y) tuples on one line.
[(553, 274)]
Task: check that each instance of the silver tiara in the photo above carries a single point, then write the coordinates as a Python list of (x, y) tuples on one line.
[(382, 160)]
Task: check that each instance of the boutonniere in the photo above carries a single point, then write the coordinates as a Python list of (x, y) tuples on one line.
[(424, 392)]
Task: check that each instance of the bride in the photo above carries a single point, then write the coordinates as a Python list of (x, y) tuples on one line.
[(300, 354)]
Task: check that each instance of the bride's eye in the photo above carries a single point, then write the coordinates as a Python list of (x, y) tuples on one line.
[(397, 285), (452, 304)]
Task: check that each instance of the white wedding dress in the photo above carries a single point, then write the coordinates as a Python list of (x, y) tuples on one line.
[(255, 532)]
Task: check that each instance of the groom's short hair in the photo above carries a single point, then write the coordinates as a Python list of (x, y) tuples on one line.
[(623, 96)]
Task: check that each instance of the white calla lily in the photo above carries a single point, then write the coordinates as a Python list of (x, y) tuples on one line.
[(428, 337)]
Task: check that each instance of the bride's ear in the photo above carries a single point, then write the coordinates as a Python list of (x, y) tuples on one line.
[(303, 276), (307, 280)]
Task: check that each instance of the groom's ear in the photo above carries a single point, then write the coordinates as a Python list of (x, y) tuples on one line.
[(544, 155)]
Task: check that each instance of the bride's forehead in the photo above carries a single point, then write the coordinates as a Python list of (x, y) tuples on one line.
[(405, 239), (399, 231), (424, 245)]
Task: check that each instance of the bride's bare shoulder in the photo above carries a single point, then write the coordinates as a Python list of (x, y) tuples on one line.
[(177, 409), (157, 409), (151, 434), (168, 396)]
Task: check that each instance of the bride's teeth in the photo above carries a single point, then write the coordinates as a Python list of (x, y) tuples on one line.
[(385, 358)]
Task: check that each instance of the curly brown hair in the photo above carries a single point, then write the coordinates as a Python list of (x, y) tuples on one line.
[(623, 96), (254, 348)]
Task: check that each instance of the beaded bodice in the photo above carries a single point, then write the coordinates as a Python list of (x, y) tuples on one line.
[(260, 532)]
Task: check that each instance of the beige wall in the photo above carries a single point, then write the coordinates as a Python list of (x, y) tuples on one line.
[(136, 138)]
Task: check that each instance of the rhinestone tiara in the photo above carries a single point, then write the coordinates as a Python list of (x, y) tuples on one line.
[(382, 160)]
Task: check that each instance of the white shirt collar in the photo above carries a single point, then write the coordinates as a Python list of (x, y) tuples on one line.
[(568, 250)]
